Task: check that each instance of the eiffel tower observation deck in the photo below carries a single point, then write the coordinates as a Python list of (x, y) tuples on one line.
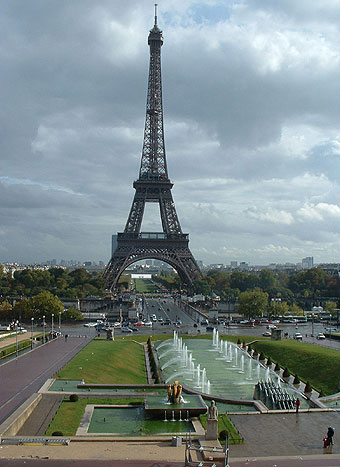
[(153, 186)]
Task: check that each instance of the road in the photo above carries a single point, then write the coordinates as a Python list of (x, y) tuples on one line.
[(23, 376)]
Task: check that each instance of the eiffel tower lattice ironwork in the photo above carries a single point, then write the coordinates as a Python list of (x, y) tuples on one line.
[(153, 185)]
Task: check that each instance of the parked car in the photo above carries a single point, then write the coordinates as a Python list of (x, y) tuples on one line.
[(267, 334), (127, 330), (148, 324), (160, 319), (321, 336), (298, 336)]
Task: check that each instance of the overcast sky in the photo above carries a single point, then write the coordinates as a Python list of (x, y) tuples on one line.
[(251, 92)]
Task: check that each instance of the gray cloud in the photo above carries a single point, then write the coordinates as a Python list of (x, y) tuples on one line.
[(251, 123)]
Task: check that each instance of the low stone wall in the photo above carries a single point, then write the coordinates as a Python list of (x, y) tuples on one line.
[(14, 422)]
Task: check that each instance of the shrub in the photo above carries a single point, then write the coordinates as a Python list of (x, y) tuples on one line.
[(277, 367), (286, 373), (296, 380), (269, 361), (255, 354), (249, 348), (74, 397), (58, 433), (244, 345), (238, 342), (223, 435), (262, 356), (308, 387)]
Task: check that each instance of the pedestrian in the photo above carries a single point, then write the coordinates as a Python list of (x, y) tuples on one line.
[(297, 405), (330, 434)]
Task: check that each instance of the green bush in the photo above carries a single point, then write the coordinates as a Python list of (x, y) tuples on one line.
[(277, 367), (74, 397), (308, 387), (269, 361), (223, 435), (296, 380), (286, 373), (57, 433), (238, 342), (262, 356)]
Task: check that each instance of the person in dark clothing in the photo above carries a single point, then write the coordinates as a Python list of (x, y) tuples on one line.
[(330, 434), (297, 405)]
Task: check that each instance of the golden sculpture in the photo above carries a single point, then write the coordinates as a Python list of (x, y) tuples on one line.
[(175, 393)]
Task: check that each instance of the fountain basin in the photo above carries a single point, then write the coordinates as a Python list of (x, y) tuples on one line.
[(191, 406)]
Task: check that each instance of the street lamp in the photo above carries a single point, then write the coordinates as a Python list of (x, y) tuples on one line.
[(16, 338), (32, 320), (44, 324), (52, 317), (59, 327)]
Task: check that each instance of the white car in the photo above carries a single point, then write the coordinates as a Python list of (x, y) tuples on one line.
[(267, 334), (127, 330), (321, 336), (298, 336), (148, 323), (117, 324)]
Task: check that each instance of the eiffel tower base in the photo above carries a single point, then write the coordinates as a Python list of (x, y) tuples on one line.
[(171, 249)]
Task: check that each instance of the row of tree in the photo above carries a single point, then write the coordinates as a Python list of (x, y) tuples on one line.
[(39, 307), (61, 282)]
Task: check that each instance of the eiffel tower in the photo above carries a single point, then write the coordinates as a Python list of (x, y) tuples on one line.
[(153, 186)]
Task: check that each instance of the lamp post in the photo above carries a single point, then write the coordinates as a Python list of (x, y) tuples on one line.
[(32, 320), (52, 318), (44, 324), (16, 338), (59, 325)]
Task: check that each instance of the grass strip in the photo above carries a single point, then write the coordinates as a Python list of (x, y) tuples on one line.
[(110, 362), (224, 424), (69, 414)]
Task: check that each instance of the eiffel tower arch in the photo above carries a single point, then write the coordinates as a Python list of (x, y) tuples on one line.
[(153, 186)]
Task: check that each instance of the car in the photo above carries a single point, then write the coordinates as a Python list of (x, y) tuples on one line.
[(147, 323), (139, 323), (267, 334), (167, 321), (117, 324), (331, 330), (154, 318), (321, 336), (127, 330), (298, 336), (160, 319)]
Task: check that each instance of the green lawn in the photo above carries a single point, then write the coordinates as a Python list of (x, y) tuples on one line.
[(69, 414), (145, 285), (111, 362), (224, 423)]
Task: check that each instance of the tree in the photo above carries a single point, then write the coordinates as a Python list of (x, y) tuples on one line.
[(331, 307), (5, 311), (71, 314), (253, 303), (277, 308), (43, 304), (296, 310)]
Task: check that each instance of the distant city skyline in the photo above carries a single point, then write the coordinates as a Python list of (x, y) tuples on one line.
[(251, 126)]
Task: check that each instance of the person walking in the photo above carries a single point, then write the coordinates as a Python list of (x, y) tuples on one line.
[(330, 434), (297, 405)]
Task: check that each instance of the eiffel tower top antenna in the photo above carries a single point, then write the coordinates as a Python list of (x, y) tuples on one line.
[(156, 14)]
